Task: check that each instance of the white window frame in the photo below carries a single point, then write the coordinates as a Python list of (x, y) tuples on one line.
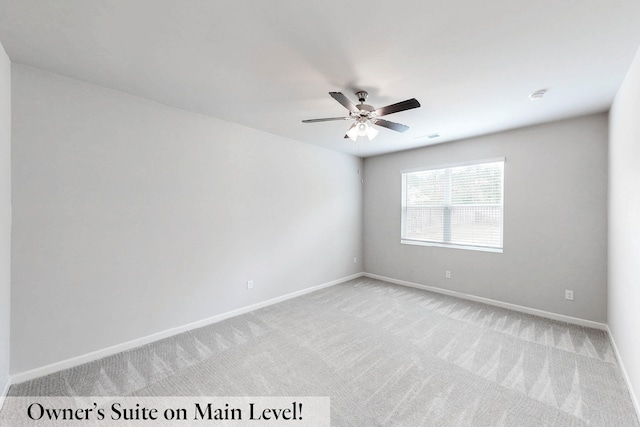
[(418, 242)]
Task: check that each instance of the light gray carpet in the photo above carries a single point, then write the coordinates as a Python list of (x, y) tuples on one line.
[(386, 355)]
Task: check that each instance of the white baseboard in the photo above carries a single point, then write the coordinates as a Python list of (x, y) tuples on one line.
[(4, 392), (514, 307), (99, 354), (634, 398)]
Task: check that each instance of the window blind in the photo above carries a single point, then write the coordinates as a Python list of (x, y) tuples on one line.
[(454, 206)]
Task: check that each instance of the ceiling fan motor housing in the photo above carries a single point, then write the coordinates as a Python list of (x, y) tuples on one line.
[(365, 107)]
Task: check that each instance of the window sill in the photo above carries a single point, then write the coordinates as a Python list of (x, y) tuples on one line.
[(445, 245)]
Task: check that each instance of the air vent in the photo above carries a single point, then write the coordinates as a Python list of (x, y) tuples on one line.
[(537, 94), (430, 136)]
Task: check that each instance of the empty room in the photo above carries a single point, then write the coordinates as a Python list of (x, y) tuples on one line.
[(413, 213)]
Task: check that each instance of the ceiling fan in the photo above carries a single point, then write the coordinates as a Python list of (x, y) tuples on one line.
[(365, 115)]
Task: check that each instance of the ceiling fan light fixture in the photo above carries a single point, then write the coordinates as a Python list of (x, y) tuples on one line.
[(371, 133), (362, 128), (353, 133)]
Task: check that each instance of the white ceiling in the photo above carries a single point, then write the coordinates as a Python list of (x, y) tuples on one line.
[(270, 64)]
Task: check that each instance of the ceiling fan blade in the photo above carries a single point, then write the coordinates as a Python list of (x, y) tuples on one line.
[(400, 106), (338, 96), (325, 120), (391, 125)]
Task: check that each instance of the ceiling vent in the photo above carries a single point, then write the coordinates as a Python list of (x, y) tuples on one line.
[(537, 94)]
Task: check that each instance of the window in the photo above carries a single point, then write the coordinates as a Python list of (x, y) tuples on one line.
[(458, 206)]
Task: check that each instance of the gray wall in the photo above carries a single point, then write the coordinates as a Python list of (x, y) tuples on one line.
[(624, 229), (555, 223), (132, 217), (5, 215)]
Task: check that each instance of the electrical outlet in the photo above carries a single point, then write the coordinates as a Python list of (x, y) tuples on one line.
[(250, 284), (447, 274), (568, 295), (355, 259)]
